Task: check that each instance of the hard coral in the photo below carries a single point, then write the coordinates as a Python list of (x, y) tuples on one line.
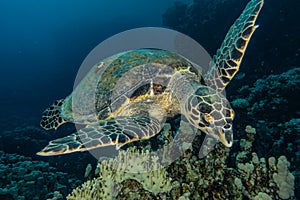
[(23, 178), (192, 178), (132, 165)]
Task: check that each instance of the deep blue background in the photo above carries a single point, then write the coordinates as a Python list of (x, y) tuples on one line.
[(42, 44)]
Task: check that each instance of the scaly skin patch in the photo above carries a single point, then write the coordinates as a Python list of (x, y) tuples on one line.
[(51, 118), (228, 58)]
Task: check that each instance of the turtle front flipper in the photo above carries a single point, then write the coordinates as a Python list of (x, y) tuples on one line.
[(228, 58), (117, 131), (52, 116)]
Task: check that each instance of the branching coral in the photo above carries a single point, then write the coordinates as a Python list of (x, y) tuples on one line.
[(212, 178), (259, 180), (284, 179), (132, 165)]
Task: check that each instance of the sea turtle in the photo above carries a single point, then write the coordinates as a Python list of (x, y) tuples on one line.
[(125, 97)]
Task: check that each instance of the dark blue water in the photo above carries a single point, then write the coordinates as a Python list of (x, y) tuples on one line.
[(44, 43)]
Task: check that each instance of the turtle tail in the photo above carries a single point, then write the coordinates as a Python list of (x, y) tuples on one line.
[(52, 116)]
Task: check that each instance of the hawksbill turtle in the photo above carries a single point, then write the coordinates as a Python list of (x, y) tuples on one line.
[(158, 83)]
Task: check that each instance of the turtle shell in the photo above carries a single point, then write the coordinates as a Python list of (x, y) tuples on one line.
[(120, 78)]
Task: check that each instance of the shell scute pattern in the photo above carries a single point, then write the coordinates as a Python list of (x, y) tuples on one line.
[(132, 69)]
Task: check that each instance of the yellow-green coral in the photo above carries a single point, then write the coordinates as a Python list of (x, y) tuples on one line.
[(89, 190), (259, 181), (284, 179), (262, 196), (132, 164)]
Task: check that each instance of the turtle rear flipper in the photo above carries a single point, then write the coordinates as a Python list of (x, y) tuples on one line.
[(117, 131), (228, 58), (52, 116)]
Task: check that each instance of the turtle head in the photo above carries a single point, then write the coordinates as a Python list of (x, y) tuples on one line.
[(209, 111)]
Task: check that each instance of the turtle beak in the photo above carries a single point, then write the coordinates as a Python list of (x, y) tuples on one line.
[(226, 137)]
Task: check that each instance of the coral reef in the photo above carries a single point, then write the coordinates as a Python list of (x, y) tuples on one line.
[(139, 171), (275, 93), (283, 179), (275, 180), (273, 108), (212, 178), (18, 134), (26, 140), (21, 178), (192, 178)]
